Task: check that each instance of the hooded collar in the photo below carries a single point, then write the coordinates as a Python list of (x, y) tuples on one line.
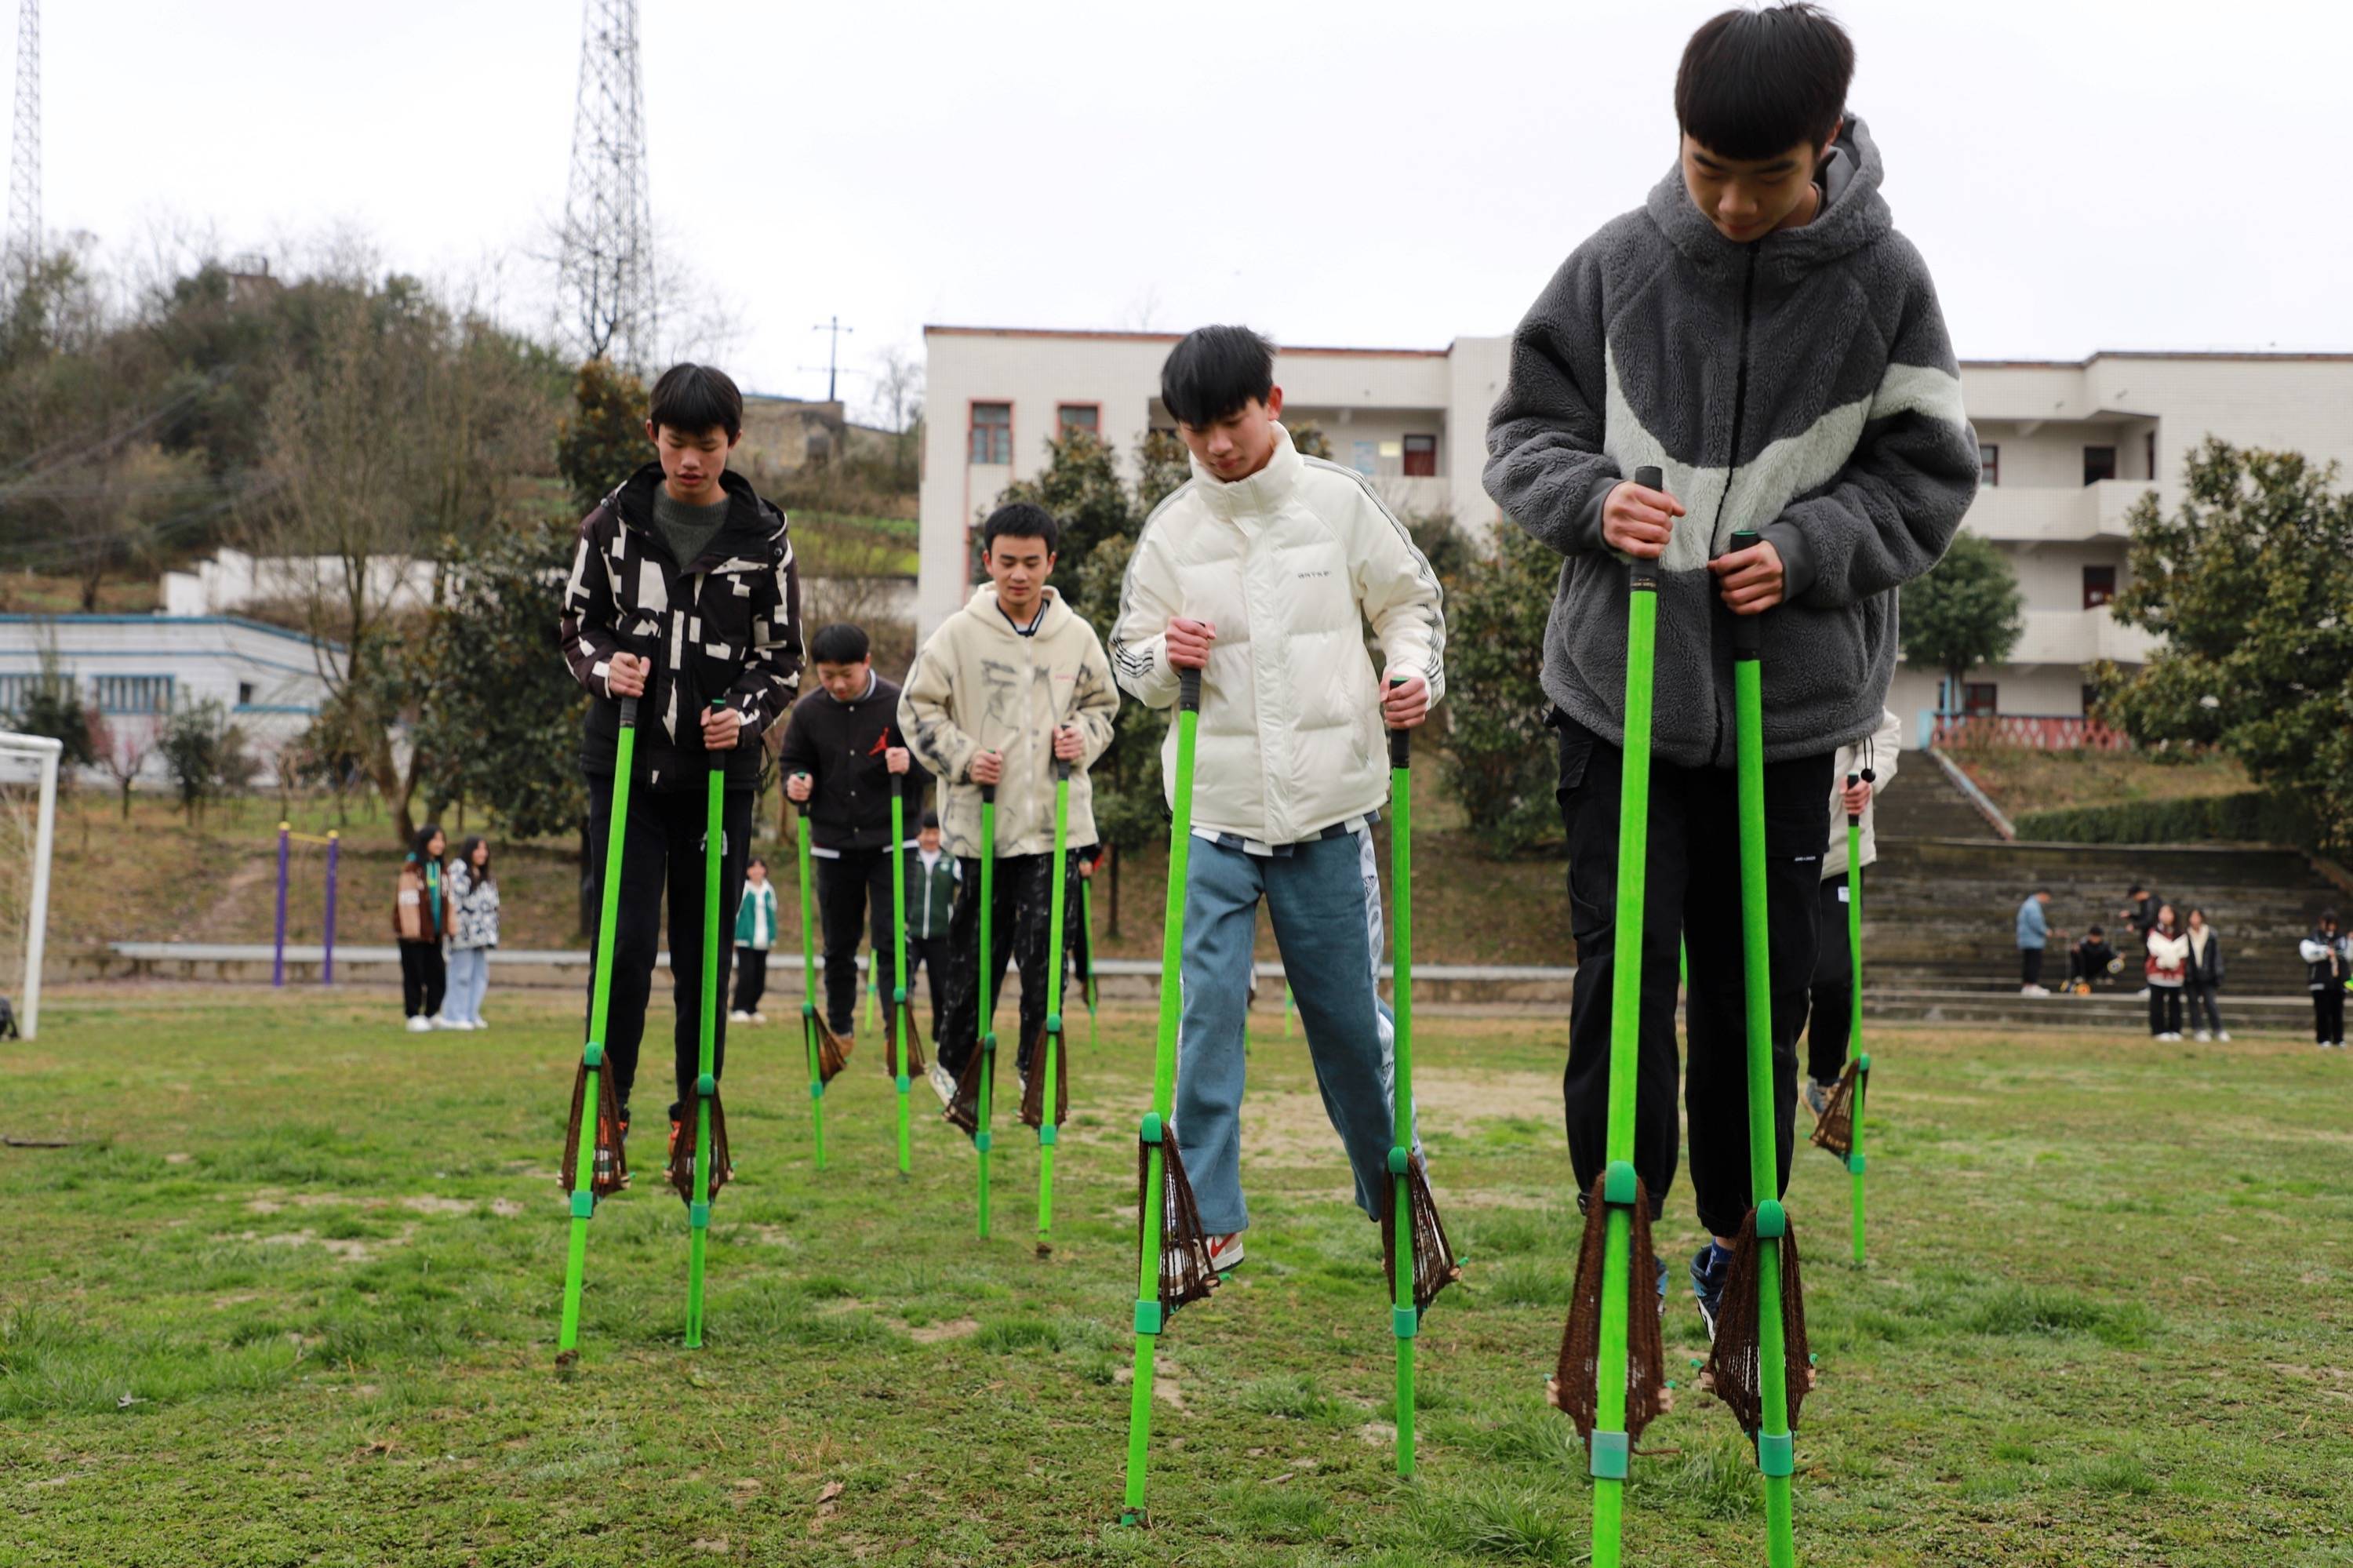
[(1854, 215), (1262, 493), (747, 525), (983, 607)]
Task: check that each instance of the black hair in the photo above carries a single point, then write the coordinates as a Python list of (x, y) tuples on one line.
[(1753, 83), (931, 820), (2093, 931), (840, 643), (465, 858), (1214, 372), (2137, 889), (2328, 916), (757, 860), (693, 398), (425, 836), (1021, 520)]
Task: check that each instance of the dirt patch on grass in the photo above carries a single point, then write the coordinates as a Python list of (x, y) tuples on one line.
[(1292, 1129), (953, 1329)]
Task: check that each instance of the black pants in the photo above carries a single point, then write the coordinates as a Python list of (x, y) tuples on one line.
[(2165, 1010), (751, 978), (1694, 897), (1830, 1024), (2328, 1015), (2029, 965), (662, 850), (424, 976), (928, 955), (2203, 1013), (1018, 926), (853, 891)]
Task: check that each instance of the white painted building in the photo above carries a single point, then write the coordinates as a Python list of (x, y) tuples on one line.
[(233, 581), (2067, 449), (135, 669)]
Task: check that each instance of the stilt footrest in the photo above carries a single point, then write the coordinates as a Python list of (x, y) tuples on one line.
[(1609, 1452)]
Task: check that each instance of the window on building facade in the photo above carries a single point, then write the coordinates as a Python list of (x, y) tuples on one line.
[(1087, 416), (2099, 463), (1421, 457), (16, 690), (2148, 446), (245, 694), (992, 433), (1989, 464), (1980, 699), (2099, 585), (133, 694), (2091, 700)]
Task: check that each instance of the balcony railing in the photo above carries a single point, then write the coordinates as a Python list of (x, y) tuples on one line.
[(2030, 732)]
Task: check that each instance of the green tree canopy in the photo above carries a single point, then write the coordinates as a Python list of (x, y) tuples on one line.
[(1965, 612), (602, 440), (2251, 584)]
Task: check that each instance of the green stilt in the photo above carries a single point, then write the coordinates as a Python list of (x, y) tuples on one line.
[(810, 1023), (1286, 1009), (1774, 1456), (1854, 1032), (706, 1084), (1608, 1453), (902, 1016), (600, 995), (985, 1033), (1087, 986), (1404, 1317), (1047, 1129), (1149, 1319)]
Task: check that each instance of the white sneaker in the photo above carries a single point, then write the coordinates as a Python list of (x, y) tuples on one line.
[(942, 1084), (2033, 990), (2224, 1034), (759, 1018), (2203, 1035), (420, 1024), (739, 1016), (481, 1023), (1225, 1251)]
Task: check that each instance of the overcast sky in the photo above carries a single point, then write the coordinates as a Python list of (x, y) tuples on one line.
[(2145, 174)]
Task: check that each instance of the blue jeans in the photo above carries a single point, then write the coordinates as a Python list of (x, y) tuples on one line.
[(1324, 900), (469, 976)]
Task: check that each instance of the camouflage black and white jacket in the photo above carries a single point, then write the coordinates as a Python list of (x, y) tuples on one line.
[(726, 625)]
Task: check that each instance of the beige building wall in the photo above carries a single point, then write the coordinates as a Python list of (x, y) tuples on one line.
[(2065, 535)]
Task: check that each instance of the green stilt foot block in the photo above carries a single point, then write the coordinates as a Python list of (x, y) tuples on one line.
[(906, 1083), (817, 1090), (982, 1141), (1397, 1162), (584, 1203), (1617, 1183), (1150, 1131), (1405, 1323), (1772, 1220), (593, 1055), (1148, 1317), (1776, 1454), (1046, 1135), (698, 1214), (1854, 1164), (1610, 1451), (1133, 1519)]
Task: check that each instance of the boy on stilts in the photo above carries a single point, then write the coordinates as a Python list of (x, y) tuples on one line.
[(1008, 685), (1259, 571), (683, 596), (1813, 397), (841, 749)]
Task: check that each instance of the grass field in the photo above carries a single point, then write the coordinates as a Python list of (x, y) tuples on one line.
[(291, 1299), (2021, 779)]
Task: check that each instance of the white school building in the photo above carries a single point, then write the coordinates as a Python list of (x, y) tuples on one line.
[(2066, 449)]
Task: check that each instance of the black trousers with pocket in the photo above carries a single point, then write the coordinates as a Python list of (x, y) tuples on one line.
[(928, 955), (424, 977), (751, 977), (854, 896), (1829, 1020), (1019, 925), (1692, 897), (2328, 1015), (662, 861)]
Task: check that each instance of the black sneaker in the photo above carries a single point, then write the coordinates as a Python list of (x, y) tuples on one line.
[(1709, 1267)]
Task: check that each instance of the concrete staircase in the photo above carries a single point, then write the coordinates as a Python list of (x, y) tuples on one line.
[(1922, 804)]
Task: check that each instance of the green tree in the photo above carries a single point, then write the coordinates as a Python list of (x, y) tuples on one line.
[(1080, 485), (1502, 762), (1965, 612), (2250, 585), (602, 440), (53, 706), (204, 753), (1309, 438)]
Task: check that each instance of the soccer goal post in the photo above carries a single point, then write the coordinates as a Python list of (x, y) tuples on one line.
[(28, 819)]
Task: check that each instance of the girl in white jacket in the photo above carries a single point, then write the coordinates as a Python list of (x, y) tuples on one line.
[(1261, 572), (2169, 969)]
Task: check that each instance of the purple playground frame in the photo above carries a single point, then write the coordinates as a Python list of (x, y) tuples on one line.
[(333, 841)]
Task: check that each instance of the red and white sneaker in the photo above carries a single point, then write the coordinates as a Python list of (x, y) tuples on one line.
[(1225, 1251)]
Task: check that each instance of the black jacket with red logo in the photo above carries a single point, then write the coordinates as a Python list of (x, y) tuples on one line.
[(840, 746), (724, 627)]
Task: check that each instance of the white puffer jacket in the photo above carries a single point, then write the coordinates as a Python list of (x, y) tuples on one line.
[(1287, 565)]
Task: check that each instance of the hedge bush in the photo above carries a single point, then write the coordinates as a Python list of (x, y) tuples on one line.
[(2249, 816)]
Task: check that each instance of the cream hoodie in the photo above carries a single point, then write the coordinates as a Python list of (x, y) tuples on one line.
[(1288, 565), (1881, 750), (979, 685)]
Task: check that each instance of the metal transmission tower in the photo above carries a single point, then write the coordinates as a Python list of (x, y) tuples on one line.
[(25, 151), (605, 277)]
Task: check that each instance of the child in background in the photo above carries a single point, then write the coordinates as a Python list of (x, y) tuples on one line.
[(2205, 978), (420, 918), (933, 878), (2167, 968), (755, 933), (2327, 955), (473, 932)]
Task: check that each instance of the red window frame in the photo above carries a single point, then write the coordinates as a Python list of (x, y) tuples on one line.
[(1422, 461), (1091, 424), (990, 442), (1989, 465), (1980, 699)]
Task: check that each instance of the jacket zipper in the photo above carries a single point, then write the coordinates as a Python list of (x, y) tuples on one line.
[(1732, 461)]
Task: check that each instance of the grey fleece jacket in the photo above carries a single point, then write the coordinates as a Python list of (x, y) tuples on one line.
[(1803, 385)]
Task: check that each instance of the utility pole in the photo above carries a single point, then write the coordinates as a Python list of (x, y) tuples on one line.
[(24, 245), (832, 326)]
